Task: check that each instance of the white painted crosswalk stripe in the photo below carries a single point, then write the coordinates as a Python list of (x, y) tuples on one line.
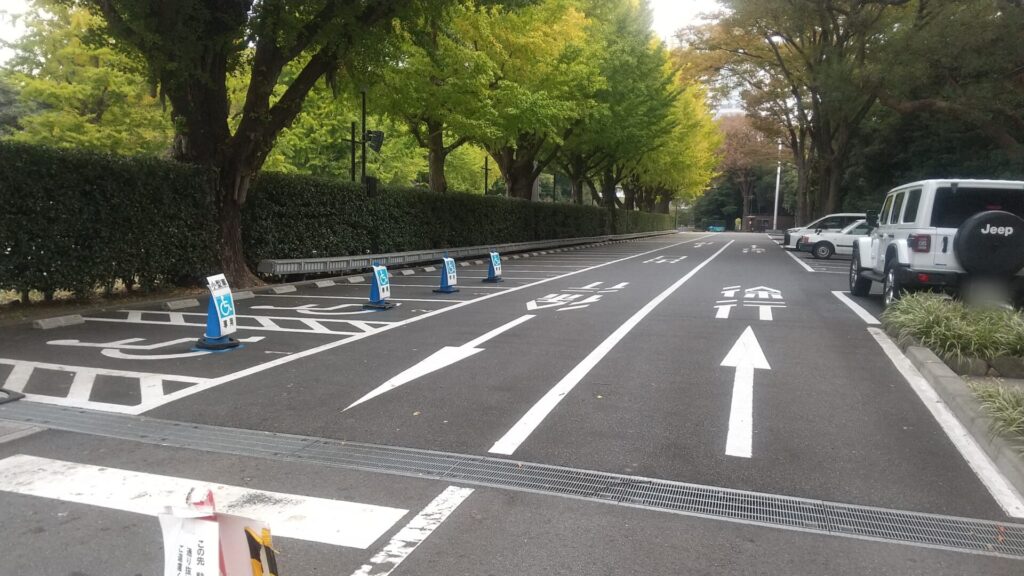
[(335, 522)]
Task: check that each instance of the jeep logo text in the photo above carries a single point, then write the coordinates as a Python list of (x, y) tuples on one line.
[(1000, 231)]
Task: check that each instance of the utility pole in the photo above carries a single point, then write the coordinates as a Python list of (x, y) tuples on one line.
[(353, 142), (778, 181), (487, 174)]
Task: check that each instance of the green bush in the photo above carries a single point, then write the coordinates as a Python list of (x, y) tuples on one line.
[(73, 220), (954, 330)]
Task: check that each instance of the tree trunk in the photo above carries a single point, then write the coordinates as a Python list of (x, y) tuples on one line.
[(436, 155), (232, 253), (746, 189), (629, 192), (576, 186), (518, 171), (663, 204), (608, 184)]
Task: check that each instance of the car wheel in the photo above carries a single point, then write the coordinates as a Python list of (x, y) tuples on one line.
[(823, 250), (891, 290), (859, 286), (798, 246)]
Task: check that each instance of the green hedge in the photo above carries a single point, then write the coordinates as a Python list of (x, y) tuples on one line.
[(75, 220)]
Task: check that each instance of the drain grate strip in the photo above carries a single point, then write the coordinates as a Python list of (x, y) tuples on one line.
[(913, 528)]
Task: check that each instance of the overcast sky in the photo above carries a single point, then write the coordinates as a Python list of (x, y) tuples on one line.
[(8, 30), (671, 15)]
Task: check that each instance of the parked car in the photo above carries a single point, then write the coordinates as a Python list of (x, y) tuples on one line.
[(830, 223), (948, 235), (826, 244)]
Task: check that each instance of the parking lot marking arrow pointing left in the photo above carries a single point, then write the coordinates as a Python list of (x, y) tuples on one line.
[(444, 357), (745, 356)]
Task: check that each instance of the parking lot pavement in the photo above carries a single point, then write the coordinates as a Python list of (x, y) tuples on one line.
[(711, 360)]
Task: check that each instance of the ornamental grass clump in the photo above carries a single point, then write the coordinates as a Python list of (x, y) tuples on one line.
[(953, 330), (1006, 407)]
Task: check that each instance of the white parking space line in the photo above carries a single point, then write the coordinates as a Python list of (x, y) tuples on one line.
[(1004, 493), (857, 309), (414, 533), (800, 262), (334, 522), (532, 419), (363, 298)]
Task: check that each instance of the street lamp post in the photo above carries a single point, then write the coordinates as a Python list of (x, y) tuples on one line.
[(778, 182)]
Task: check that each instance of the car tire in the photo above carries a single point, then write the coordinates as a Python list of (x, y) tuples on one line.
[(823, 250), (859, 285), (798, 246), (891, 289)]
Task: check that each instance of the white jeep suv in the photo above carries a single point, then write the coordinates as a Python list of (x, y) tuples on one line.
[(947, 235)]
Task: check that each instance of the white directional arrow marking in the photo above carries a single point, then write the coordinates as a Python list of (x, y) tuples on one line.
[(444, 357), (745, 356)]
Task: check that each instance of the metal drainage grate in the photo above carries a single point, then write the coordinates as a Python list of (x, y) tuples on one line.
[(913, 528)]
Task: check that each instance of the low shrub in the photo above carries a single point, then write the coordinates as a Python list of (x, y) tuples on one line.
[(954, 330)]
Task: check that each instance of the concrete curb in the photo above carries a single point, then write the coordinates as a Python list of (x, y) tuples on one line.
[(283, 289), (243, 295), (181, 304), (958, 396), (58, 322)]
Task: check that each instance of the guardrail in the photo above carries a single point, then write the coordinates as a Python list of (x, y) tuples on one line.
[(282, 267)]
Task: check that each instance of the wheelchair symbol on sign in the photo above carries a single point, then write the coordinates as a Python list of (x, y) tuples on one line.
[(225, 306), (382, 277), (451, 267)]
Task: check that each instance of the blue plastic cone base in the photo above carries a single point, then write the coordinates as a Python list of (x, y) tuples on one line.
[(382, 305), (217, 344), (446, 290), (494, 280)]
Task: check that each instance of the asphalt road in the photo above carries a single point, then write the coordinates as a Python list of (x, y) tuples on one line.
[(715, 360)]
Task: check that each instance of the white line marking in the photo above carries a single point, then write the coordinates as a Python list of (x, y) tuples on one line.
[(441, 359), (18, 377), (591, 286), (1004, 493), (414, 533), (499, 330), (102, 371), (363, 298), (207, 384), (745, 355), (801, 262), (81, 386), (529, 422), (857, 309), (335, 522)]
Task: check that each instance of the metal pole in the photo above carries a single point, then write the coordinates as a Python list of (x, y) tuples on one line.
[(353, 143), (363, 138), (487, 174), (778, 181)]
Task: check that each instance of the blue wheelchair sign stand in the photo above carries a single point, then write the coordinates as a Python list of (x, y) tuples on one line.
[(449, 277), (220, 318), (380, 289), (494, 269)]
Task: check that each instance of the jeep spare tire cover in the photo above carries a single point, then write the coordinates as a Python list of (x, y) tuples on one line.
[(991, 244)]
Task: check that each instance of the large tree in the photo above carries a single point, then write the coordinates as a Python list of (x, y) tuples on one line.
[(193, 47), (78, 91), (440, 83)]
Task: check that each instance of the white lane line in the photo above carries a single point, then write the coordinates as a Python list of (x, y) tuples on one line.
[(414, 533), (503, 277), (474, 286), (529, 422), (335, 522), (1002, 491), (363, 298), (800, 262), (857, 308), (103, 371), (332, 345), (497, 331)]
